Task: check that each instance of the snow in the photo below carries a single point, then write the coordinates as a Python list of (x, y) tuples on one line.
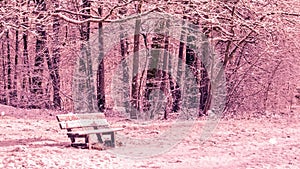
[(33, 139)]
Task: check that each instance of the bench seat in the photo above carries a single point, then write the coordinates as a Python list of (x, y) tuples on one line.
[(98, 131)]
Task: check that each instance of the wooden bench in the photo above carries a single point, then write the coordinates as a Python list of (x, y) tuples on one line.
[(86, 125)]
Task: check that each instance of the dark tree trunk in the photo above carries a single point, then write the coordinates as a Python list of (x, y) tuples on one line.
[(125, 68), (26, 80), (39, 101), (191, 63), (53, 64), (155, 73), (165, 75), (100, 71), (9, 80), (15, 101), (85, 27), (180, 69), (91, 96), (205, 97), (135, 76), (3, 95), (86, 96)]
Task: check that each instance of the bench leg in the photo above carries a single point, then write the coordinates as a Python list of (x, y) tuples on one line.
[(72, 139), (112, 136), (87, 141), (111, 142)]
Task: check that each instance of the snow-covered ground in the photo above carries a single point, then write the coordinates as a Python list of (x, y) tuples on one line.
[(33, 139)]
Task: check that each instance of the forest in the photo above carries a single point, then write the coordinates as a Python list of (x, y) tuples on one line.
[(149, 84), (150, 59)]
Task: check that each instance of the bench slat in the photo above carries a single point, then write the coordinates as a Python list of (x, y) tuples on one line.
[(71, 117), (83, 123), (85, 132)]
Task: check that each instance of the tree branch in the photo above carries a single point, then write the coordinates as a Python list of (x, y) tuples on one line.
[(104, 19)]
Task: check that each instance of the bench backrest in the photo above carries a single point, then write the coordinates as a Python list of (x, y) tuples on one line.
[(70, 121)]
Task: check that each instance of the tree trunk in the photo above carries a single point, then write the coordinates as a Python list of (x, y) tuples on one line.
[(154, 74), (39, 101), (135, 84), (85, 96), (25, 75), (9, 80), (53, 64), (193, 89), (205, 92), (3, 64), (125, 68), (165, 85), (15, 101), (180, 69), (100, 71)]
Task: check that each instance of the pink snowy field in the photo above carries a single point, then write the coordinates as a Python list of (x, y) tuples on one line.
[(33, 139)]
